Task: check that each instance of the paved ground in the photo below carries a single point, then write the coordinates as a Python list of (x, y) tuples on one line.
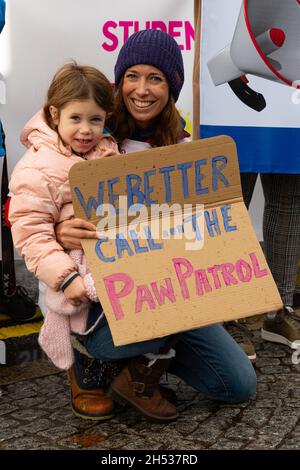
[(35, 413)]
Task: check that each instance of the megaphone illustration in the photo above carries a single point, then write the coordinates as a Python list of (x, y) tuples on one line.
[(266, 43)]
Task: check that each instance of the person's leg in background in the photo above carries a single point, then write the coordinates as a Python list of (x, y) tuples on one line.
[(248, 182), (238, 329), (296, 299), (281, 226)]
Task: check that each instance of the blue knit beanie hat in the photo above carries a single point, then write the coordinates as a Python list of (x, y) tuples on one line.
[(153, 47)]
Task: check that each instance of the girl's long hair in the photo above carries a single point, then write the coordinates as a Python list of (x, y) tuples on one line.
[(168, 127)]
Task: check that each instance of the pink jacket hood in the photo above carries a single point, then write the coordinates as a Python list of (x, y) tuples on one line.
[(37, 133)]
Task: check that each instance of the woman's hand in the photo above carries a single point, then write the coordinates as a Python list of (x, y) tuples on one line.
[(76, 292), (69, 232)]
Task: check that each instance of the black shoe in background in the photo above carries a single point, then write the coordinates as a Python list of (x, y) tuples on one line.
[(19, 306), (296, 300)]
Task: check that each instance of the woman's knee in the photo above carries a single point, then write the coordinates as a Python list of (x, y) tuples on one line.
[(101, 346), (244, 385)]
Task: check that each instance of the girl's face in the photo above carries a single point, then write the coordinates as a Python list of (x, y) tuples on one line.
[(80, 124), (145, 93)]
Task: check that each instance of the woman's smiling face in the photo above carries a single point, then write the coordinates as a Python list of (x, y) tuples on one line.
[(145, 92)]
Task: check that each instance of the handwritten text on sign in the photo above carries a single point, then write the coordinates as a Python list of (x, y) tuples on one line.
[(149, 283)]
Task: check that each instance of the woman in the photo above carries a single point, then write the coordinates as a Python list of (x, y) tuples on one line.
[(149, 75)]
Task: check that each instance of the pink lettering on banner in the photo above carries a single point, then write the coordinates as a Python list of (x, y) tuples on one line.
[(163, 292), (202, 282), (243, 270), (152, 295), (256, 269), (110, 46), (143, 294), (173, 32), (181, 276), (115, 296), (156, 25), (227, 270), (213, 271), (126, 25), (189, 35), (115, 33)]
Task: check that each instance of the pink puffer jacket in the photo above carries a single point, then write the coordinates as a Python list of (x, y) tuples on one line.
[(42, 198)]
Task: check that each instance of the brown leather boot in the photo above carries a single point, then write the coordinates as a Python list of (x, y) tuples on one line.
[(168, 393), (137, 384), (89, 399)]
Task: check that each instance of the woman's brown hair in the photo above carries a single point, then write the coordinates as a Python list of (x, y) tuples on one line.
[(168, 127), (78, 82)]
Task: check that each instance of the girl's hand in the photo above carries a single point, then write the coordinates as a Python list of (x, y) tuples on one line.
[(76, 292), (107, 152), (69, 232)]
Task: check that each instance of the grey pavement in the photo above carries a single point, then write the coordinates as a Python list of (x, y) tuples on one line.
[(35, 413)]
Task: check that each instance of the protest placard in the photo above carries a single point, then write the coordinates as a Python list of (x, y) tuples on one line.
[(176, 247)]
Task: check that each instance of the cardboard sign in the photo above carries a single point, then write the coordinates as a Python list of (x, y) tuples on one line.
[(205, 267)]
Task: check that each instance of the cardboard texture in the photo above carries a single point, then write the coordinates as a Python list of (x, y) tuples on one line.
[(154, 287)]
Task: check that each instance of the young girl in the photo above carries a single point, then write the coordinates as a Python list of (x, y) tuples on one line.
[(68, 129)]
